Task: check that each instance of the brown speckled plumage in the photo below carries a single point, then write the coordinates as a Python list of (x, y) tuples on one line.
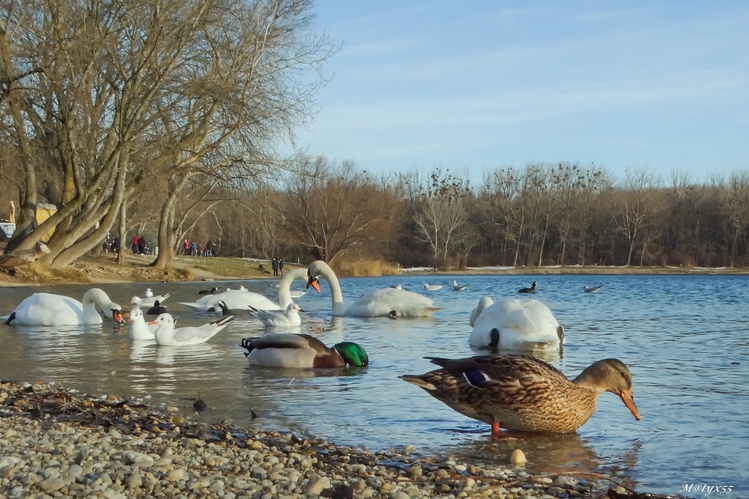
[(519, 392)]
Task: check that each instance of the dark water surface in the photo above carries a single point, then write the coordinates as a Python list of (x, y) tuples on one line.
[(685, 339)]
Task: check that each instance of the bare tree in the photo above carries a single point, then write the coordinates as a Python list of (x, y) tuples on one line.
[(636, 206), (333, 209), (440, 213), (506, 188), (734, 203), (98, 97)]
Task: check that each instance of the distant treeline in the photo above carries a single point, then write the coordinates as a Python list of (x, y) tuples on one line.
[(540, 214)]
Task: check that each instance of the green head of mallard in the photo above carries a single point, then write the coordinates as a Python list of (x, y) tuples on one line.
[(352, 353)]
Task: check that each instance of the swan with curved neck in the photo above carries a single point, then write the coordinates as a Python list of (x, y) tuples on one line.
[(241, 299), (387, 302), (47, 309), (284, 286)]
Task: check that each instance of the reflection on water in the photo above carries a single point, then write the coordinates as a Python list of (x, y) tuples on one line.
[(685, 343)]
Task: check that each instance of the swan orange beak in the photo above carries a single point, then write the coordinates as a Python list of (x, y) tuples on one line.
[(312, 281), (117, 316), (629, 401)]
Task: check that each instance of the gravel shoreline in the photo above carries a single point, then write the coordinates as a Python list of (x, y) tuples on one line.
[(57, 442)]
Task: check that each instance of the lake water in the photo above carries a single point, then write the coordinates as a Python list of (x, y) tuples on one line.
[(685, 339)]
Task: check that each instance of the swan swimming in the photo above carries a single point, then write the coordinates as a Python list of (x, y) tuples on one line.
[(516, 324), (379, 303), (47, 309), (241, 299), (484, 303)]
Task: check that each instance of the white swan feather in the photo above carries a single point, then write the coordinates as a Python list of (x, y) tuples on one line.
[(516, 324), (379, 303)]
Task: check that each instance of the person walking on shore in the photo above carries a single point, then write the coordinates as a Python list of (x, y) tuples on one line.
[(134, 244), (274, 265), (280, 267)]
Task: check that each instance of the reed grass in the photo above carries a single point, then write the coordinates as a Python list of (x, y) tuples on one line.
[(367, 267)]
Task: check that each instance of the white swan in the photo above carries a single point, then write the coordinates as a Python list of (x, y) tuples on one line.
[(235, 299), (47, 309), (150, 301), (432, 287), (167, 335), (378, 303), (280, 318), (139, 330), (516, 324), (484, 303), (241, 299), (459, 287)]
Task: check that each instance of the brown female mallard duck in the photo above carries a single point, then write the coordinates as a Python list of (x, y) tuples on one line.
[(519, 392)]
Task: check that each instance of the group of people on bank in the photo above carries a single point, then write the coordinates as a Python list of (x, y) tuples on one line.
[(277, 266), (194, 249)]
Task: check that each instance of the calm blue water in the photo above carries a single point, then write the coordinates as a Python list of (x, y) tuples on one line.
[(685, 339)]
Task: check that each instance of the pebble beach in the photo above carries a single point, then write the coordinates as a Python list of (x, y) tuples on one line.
[(57, 442)]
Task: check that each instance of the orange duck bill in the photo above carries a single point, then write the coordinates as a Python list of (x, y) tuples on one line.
[(629, 401)]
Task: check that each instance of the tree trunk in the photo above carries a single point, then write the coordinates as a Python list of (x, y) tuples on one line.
[(629, 254), (122, 231), (167, 233)]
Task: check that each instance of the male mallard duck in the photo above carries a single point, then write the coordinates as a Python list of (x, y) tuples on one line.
[(301, 351), (524, 393)]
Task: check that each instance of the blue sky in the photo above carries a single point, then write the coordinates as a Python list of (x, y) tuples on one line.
[(478, 84)]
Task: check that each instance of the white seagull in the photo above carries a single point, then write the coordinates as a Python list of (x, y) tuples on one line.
[(139, 330), (167, 335), (280, 318), (148, 301)]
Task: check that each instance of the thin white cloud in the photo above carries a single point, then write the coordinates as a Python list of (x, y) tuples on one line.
[(483, 85)]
